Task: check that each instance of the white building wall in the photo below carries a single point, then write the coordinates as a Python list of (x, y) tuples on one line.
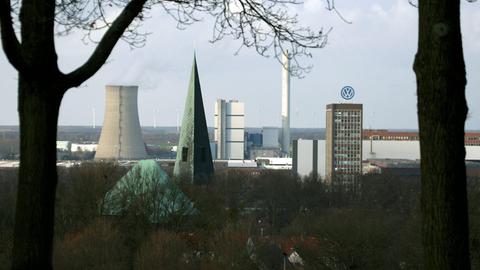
[(371, 150), (234, 150), (235, 135), (405, 150), (234, 121), (391, 149), (472, 152), (229, 129), (304, 157)]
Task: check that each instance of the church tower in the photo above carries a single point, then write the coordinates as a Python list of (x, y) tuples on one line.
[(194, 158)]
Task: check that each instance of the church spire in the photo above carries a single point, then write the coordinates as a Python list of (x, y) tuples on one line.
[(194, 158)]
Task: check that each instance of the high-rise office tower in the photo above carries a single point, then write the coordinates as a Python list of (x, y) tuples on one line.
[(194, 158), (286, 104), (229, 129), (344, 141), (121, 136)]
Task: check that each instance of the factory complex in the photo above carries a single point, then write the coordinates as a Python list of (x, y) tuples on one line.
[(345, 151)]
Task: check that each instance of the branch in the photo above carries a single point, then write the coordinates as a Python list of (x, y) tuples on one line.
[(10, 43), (106, 44), (331, 7)]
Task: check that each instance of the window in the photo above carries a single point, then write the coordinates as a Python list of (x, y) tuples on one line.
[(184, 153)]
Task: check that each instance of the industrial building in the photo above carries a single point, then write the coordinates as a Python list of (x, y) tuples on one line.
[(121, 136), (471, 138), (254, 139), (343, 149), (308, 157), (229, 129), (194, 157), (373, 151), (270, 137)]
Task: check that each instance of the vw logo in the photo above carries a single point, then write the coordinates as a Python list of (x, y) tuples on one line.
[(347, 92)]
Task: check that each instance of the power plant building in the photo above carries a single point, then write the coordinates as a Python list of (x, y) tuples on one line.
[(121, 136), (270, 137), (343, 149), (229, 129), (194, 157)]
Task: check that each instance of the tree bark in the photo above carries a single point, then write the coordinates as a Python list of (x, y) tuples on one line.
[(41, 88), (442, 110), (38, 106)]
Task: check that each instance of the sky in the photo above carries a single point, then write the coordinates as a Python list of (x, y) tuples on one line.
[(374, 55)]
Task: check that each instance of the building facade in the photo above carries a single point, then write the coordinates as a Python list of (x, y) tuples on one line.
[(343, 151), (308, 157), (229, 129), (471, 138)]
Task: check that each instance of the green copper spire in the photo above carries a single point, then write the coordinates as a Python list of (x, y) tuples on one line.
[(194, 159)]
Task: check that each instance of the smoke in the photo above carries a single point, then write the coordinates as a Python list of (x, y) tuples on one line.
[(141, 72)]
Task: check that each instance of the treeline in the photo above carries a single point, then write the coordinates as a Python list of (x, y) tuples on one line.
[(375, 226)]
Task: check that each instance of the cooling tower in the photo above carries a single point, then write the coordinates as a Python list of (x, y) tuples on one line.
[(121, 136)]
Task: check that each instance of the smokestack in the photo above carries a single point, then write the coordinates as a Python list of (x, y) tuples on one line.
[(121, 136), (285, 104)]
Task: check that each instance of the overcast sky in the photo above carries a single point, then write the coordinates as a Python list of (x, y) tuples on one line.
[(374, 55)]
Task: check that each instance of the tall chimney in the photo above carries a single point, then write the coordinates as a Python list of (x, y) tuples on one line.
[(121, 136), (285, 104)]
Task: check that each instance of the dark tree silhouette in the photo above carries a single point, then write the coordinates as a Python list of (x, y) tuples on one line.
[(265, 25), (442, 110)]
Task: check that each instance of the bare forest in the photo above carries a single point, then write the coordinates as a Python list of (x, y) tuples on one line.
[(244, 221)]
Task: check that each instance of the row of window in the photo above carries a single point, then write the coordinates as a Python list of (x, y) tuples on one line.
[(348, 163), (348, 113)]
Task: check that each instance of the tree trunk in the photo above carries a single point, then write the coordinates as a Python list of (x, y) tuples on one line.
[(442, 110), (38, 107)]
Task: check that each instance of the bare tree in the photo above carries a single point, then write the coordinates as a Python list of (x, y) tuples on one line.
[(442, 110), (263, 25)]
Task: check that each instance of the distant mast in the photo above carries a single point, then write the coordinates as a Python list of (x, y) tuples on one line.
[(286, 103), (155, 118), (93, 118)]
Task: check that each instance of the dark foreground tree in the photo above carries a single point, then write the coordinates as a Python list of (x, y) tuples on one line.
[(442, 110), (41, 84)]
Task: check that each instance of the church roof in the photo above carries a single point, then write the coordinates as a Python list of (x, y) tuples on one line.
[(148, 190)]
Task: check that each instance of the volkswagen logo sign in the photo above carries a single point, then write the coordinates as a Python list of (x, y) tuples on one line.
[(347, 92)]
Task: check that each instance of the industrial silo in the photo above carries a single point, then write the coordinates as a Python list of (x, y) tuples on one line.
[(121, 136)]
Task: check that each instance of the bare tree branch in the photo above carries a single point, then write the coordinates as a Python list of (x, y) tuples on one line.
[(331, 7), (10, 42), (107, 43)]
